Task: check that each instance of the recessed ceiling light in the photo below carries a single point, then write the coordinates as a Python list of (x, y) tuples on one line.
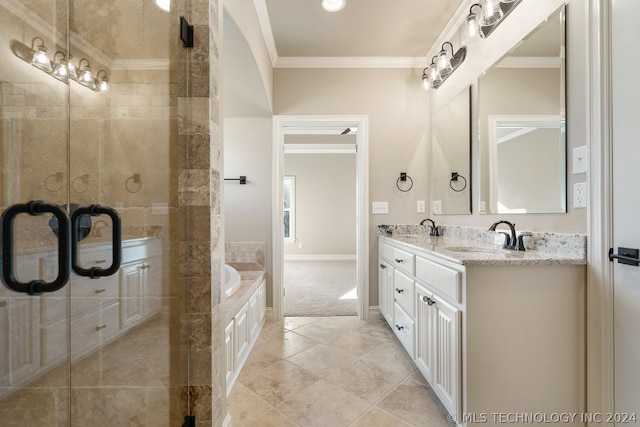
[(333, 5), (164, 4)]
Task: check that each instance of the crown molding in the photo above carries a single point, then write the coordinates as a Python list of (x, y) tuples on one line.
[(265, 26), (349, 62)]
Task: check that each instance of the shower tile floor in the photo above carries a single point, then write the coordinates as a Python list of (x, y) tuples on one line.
[(331, 371)]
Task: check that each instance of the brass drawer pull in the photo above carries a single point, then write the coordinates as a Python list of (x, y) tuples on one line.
[(99, 328), (3, 304), (99, 291), (100, 261)]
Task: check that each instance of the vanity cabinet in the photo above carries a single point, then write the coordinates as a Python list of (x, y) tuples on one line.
[(385, 290), (100, 310), (491, 338)]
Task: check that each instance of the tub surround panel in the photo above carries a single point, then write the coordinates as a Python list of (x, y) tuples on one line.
[(486, 246), (246, 256)]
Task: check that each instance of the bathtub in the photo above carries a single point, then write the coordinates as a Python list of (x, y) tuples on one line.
[(231, 280)]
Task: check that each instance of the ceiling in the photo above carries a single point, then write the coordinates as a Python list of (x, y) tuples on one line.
[(396, 31)]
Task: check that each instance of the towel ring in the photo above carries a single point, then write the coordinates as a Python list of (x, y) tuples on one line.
[(403, 177), (454, 177)]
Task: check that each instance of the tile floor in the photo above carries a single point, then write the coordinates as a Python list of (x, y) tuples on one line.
[(331, 372)]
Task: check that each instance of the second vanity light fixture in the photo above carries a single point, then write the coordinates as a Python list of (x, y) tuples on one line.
[(64, 70), (481, 23), (442, 65)]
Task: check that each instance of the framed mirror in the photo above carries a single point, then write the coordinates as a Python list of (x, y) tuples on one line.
[(451, 157), (522, 126)]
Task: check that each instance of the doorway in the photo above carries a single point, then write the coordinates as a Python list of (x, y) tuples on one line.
[(292, 125), (320, 230)]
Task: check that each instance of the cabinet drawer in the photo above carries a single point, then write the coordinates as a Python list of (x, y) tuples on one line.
[(403, 260), (90, 294), (403, 326), (403, 287), (443, 279), (93, 330), (386, 251)]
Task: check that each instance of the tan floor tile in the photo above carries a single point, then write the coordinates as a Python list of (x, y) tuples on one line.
[(371, 376), (323, 360), (279, 381), (415, 404), (356, 341), (273, 419), (289, 344), (321, 331), (244, 406), (379, 418), (323, 404), (293, 323)]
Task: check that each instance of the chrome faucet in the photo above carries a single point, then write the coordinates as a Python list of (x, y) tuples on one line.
[(433, 230), (510, 241)]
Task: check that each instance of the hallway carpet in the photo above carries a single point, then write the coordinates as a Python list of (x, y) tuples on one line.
[(320, 288)]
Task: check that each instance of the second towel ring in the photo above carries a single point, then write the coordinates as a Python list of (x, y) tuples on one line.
[(454, 177)]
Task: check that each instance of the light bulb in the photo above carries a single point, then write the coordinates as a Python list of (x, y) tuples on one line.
[(444, 64), (471, 29), (491, 12), (426, 84), (434, 75)]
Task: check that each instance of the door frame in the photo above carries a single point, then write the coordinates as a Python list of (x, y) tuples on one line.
[(600, 327), (362, 197)]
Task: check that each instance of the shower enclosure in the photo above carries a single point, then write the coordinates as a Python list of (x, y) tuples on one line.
[(95, 135)]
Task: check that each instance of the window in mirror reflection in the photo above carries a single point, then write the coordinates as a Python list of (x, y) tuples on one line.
[(521, 120)]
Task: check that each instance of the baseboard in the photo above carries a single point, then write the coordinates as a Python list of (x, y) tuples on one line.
[(319, 257), (269, 313), (374, 313)]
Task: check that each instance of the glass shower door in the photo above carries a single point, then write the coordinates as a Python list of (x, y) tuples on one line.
[(34, 333), (122, 131), (91, 124)]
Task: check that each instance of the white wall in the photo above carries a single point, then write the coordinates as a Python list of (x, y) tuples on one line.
[(325, 203)]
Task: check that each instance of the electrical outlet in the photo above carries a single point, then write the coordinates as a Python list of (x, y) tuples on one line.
[(299, 245), (580, 195), (483, 206), (436, 207), (420, 206)]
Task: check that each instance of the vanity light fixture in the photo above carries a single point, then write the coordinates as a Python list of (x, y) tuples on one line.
[(442, 66), (493, 13), (62, 68), (40, 59), (471, 31), (333, 5)]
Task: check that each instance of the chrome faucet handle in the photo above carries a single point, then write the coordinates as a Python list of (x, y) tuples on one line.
[(519, 246)]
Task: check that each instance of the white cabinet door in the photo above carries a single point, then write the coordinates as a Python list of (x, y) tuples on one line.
[(254, 314), (447, 347), (385, 291), (242, 334), (229, 355), (132, 291), (425, 319)]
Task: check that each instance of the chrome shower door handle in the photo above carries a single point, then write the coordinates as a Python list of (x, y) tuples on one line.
[(35, 287), (116, 248)]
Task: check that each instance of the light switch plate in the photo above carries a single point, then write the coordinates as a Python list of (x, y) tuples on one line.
[(580, 159), (420, 206), (379, 208)]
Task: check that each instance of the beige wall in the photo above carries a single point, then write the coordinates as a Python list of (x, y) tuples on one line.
[(399, 122), (325, 203)]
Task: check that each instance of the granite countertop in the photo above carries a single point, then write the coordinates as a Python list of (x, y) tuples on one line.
[(550, 249), (249, 281)]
